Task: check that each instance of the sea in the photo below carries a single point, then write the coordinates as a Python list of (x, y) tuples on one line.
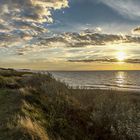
[(118, 80)]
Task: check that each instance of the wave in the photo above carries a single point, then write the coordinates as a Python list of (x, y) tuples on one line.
[(122, 80)]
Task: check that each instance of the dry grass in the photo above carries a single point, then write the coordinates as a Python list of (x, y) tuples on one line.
[(41, 108), (33, 128)]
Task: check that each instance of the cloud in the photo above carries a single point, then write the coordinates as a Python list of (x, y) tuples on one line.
[(105, 60), (30, 10), (8, 40), (75, 40), (24, 34), (136, 30), (23, 20), (127, 8)]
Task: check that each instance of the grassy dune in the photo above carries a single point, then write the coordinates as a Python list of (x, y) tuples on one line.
[(37, 107)]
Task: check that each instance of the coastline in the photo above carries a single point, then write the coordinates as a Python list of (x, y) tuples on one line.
[(104, 80), (36, 106)]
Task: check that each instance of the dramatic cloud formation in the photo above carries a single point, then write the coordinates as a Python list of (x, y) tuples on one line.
[(76, 40), (30, 10), (24, 19), (91, 31)]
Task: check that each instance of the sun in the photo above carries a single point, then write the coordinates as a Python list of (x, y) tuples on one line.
[(121, 56)]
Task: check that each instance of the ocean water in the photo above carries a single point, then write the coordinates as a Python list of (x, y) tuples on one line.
[(121, 80)]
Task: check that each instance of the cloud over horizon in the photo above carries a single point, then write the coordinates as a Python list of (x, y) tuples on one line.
[(106, 60), (68, 30), (77, 40)]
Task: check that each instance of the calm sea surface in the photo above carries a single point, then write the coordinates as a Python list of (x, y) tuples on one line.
[(122, 80)]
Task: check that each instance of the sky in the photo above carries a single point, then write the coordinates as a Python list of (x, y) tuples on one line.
[(70, 34)]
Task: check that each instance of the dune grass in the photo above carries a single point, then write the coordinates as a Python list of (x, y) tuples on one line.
[(9, 106), (37, 107)]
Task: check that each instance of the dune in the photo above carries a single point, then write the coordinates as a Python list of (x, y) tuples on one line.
[(38, 107)]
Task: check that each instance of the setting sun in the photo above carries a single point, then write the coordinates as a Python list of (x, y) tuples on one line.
[(121, 56)]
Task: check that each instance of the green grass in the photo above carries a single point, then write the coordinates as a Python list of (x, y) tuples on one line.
[(9, 106), (37, 107)]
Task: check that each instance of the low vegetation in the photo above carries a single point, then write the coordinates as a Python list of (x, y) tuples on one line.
[(37, 107)]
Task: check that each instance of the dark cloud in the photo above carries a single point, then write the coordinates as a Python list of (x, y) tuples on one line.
[(105, 60), (76, 40), (9, 40), (83, 39), (24, 19), (136, 30), (30, 10)]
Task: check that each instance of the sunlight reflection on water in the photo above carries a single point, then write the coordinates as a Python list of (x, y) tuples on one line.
[(121, 78), (126, 80)]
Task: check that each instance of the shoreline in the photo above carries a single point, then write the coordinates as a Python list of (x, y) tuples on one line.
[(37, 106), (113, 89), (118, 91)]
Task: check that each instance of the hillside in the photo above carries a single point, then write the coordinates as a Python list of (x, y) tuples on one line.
[(37, 107)]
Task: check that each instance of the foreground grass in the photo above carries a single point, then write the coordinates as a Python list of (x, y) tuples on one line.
[(37, 107)]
